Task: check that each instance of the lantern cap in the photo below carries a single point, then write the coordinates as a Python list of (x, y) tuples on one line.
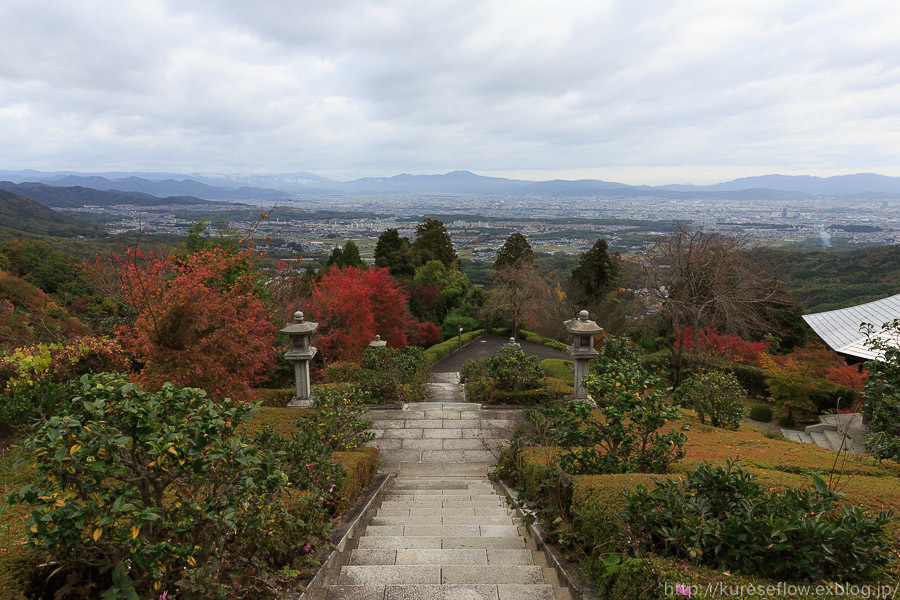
[(582, 325), (299, 326), (377, 342)]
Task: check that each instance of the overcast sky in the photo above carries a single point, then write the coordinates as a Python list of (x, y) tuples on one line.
[(636, 91)]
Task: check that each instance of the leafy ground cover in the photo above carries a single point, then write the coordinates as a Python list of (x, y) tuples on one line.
[(18, 563), (586, 512)]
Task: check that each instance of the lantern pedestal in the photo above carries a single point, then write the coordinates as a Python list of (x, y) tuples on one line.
[(582, 332), (299, 354)]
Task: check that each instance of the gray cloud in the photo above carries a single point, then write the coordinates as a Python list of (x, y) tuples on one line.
[(696, 89)]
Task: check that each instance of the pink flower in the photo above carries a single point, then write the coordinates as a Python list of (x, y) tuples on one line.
[(308, 464), (331, 489), (164, 595), (306, 547), (680, 589)]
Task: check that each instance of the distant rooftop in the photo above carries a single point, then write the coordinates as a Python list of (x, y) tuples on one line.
[(840, 329)]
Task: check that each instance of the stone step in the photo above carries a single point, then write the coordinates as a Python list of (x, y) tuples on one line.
[(442, 520), (819, 439), (441, 492), (411, 497), (436, 543), (441, 504), (369, 575), (443, 530), (439, 484), (836, 440), (442, 512), (441, 557), (443, 592)]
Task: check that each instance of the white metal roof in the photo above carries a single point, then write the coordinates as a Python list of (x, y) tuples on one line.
[(840, 329)]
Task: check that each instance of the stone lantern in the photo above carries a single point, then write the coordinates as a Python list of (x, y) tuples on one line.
[(582, 331), (300, 353), (377, 342), (512, 344)]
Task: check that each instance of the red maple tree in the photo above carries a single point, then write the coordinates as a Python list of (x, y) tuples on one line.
[(199, 319), (353, 305)]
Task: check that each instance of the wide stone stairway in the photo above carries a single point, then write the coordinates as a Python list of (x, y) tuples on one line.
[(441, 531)]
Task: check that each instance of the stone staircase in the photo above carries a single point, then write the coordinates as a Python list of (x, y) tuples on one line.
[(442, 539), (833, 432)]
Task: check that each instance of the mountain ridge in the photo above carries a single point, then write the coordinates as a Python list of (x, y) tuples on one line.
[(300, 183)]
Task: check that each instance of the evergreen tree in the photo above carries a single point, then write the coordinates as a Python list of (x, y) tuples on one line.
[(433, 243), (515, 248), (395, 253), (596, 272), (346, 257)]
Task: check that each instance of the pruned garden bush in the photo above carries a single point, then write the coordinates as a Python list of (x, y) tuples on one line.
[(715, 395), (722, 517), (138, 494), (761, 412), (509, 376)]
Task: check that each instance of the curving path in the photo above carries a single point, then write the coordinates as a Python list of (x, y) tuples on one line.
[(486, 345)]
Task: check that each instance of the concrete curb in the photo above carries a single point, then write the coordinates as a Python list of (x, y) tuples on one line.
[(357, 518), (580, 589)]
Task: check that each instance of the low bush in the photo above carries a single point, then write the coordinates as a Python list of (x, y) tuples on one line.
[(713, 394), (393, 375), (534, 338), (337, 420), (139, 494), (498, 376), (37, 380), (342, 371), (761, 412), (275, 398), (724, 518), (882, 393)]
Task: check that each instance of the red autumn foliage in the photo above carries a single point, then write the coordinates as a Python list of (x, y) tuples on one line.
[(429, 334), (200, 321), (352, 305), (729, 347)]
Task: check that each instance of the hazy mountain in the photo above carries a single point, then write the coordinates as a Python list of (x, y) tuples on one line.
[(20, 214), (276, 186), (77, 196), (838, 185)]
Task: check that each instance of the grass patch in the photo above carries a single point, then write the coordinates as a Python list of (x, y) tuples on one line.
[(558, 368)]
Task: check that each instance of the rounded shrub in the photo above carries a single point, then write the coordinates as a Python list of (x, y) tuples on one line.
[(714, 394), (138, 494), (761, 412)]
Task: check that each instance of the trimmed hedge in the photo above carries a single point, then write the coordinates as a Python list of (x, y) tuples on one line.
[(277, 398), (439, 351), (761, 412), (360, 467), (535, 338), (536, 396)]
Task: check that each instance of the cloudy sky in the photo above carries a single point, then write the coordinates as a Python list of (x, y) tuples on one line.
[(632, 91)]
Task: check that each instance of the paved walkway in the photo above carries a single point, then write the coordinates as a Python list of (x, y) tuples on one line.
[(444, 436), (441, 531), (487, 345)]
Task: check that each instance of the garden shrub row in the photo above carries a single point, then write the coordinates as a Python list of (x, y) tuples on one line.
[(593, 511), (210, 474), (534, 338), (439, 351)]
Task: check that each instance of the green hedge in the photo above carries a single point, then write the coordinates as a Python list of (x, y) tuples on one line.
[(275, 398), (360, 467), (439, 351), (536, 396), (558, 368), (535, 338)]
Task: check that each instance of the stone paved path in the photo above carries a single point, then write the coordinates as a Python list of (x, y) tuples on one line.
[(435, 539), (441, 531), (445, 436)]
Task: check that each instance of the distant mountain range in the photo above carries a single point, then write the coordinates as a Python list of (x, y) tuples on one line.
[(276, 187), (78, 197)]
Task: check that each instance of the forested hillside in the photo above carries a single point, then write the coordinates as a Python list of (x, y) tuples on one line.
[(20, 215), (823, 280)]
